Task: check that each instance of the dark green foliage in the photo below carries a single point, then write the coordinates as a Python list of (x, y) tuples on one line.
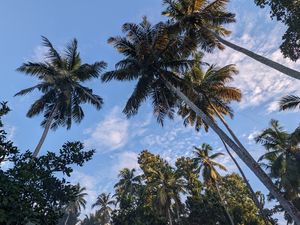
[(289, 102), (288, 12), (33, 190), (197, 204), (6, 146), (282, 159)]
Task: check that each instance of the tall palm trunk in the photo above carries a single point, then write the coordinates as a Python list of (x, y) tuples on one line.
[(45, 132), (252, 193), (67, 219), (242, 153), (169, 217), (223, 205), (276, 66)]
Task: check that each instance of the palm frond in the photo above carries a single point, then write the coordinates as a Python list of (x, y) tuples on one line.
[(52, 54), (73, 57), (289, 102)]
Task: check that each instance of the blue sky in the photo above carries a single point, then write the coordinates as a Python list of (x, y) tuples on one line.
[(117, 140)]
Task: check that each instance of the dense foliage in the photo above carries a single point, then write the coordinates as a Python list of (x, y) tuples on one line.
[(164, 194), (34, 189), (169, 71), (288, 12)]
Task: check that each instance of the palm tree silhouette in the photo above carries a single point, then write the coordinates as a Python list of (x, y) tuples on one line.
[(61, 77), (203, 23), (210, 175), (104, 202), (78, 203)]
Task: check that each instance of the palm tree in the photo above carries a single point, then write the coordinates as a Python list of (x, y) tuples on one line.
[(78, 203), (61, 77), (104, 202), (210, 175), (157, 58), (289, 102), (166, 187), (203, 22), (127, 185), (252, 192), (210, 93), (215, 97), (282, 157)]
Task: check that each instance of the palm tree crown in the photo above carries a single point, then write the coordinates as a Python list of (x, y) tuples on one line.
[(79, 201), (61, 79), (200, 20), (207, 164), (104, 202), (282, 157), (152, 55), (128, 183), (203, 22), (210, 92), (166, 186)]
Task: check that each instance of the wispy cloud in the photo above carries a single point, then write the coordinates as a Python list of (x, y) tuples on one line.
[(126, 159), (115, 131), (260, 84), (110, 133)]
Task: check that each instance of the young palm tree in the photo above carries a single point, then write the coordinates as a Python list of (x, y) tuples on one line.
[(166, 187), (78, 203), (61, 77), (210, 175), (104, 202), (127, 185), (282, 157), (289, 102), (203, 21), (157, 58)]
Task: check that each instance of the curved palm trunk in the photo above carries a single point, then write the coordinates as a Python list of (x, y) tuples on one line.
[(224, 206), (45, 132), (253, 195), (242, 153), (276, 66)]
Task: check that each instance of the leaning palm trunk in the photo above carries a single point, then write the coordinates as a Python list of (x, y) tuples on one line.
[(223, 205), (45, 132), (242, 153), (276, 66), (252, 193)]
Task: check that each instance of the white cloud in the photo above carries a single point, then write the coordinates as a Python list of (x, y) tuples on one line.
[(39, 53), (252, 135), (11, 132), (126, 160), (91, 185), (110, 133), (260, 84)]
